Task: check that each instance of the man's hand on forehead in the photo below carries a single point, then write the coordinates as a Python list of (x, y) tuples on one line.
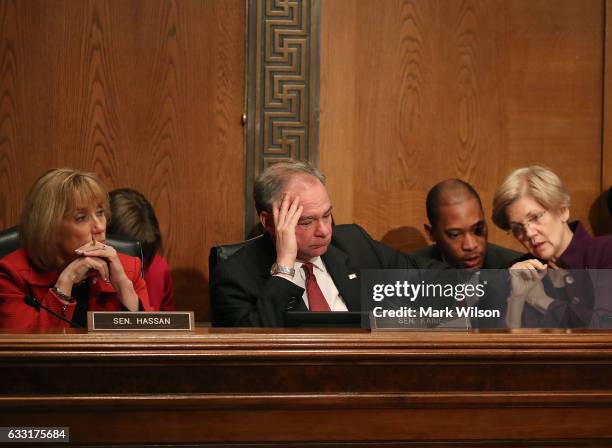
[(286, 208), (286, 216)]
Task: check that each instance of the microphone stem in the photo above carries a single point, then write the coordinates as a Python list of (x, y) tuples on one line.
[(35, 303)]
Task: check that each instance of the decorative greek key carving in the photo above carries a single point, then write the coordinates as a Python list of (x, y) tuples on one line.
[(282, 86)]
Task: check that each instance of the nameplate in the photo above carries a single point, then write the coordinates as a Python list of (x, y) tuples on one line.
[(141, 321)]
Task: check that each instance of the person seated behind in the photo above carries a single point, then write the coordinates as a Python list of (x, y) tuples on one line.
[(134, 217), (301, 262), (533, 204), (64, 261), (458, 228)]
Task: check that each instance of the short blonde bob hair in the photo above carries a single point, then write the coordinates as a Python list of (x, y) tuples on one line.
[(535, 181), (54, 196)]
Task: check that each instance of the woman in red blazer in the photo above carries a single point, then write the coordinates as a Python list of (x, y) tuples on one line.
[(64, 262)]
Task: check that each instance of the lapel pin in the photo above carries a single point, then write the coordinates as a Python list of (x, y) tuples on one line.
[(352, 276)]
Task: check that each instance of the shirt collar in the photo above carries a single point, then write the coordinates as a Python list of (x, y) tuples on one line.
[(316, 261)]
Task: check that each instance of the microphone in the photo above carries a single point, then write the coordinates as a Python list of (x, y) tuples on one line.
[(35, 303)]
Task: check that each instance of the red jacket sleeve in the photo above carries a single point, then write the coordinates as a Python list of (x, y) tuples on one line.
[(15, 314)]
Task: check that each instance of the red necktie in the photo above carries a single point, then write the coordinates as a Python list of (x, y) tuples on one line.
[(316, 300)]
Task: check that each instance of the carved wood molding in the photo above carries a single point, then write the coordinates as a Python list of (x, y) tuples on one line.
[(282, 87)]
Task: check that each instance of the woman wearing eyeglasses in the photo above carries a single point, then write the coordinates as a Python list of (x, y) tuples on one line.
[(533, 204)]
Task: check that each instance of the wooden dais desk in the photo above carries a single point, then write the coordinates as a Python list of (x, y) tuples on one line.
[(291, 388)]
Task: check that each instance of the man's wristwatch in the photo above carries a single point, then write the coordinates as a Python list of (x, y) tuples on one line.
[(279, 269)]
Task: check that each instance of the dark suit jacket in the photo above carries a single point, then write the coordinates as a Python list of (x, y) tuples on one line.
[(244, 294), (496, 257), (585, 301)]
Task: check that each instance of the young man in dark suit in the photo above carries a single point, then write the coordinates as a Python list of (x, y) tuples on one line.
[(302, 262), (458, 228)]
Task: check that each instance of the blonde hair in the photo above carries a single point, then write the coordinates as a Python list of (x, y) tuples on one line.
[(53, 196), (535, 181)]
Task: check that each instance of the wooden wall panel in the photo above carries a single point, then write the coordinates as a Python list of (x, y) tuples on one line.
[(148, 94), (337, 100), (606, 219), (413, 92)]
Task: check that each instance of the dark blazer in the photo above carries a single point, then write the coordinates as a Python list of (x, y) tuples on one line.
[(585, 299), (496, 257), (244, 294)]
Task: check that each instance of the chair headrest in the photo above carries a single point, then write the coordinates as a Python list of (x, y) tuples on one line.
[(9, 241)]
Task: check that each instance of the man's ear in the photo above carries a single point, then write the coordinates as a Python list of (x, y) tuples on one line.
[(267, 222), (429, 232)]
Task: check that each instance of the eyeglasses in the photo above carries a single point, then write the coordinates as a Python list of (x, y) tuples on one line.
[(519, 229)]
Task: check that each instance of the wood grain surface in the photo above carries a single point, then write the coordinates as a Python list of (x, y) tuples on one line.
[(427, 90), (148, 94), (314, 387), (606, 150)]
